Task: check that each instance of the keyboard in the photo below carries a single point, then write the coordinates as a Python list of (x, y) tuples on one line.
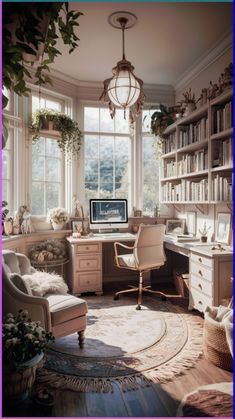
[(114, 235)]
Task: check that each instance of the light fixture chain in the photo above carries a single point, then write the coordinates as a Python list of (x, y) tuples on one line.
[(123, 43)]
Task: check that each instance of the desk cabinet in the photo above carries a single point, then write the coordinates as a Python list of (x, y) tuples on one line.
[(86, 268), (210, 280)]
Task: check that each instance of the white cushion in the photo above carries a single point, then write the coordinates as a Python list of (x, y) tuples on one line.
[(42, 283), (127, 260)]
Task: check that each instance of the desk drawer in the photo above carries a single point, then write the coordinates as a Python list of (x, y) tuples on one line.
[(87, 248), (200, 285), (87, 263), (202, 260), (201, 271), (199, 300), (88, 282)]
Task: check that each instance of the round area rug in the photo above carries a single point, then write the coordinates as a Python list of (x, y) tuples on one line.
[(122, 344)]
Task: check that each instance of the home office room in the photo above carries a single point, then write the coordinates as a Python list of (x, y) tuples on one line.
[(117, 202)]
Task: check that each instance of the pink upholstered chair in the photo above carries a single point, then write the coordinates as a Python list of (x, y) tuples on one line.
[(147, 254), (61, 314)]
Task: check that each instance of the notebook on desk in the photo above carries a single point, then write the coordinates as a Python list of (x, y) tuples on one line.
[(181, 237)]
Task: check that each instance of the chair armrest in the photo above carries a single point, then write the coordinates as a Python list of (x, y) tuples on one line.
[(116, 251)]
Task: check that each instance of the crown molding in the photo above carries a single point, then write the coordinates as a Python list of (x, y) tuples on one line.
[(208, 58)]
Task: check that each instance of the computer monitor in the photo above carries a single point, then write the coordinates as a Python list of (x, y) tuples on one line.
[(108, 214)]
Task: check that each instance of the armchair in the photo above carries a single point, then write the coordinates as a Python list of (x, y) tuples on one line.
[(59, 314)]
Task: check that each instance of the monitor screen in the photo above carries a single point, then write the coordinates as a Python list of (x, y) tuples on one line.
[(108, 211)]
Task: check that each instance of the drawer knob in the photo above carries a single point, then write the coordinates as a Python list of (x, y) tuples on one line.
[(88, 282), (199, 286), (200, 259), (87, 248), (200, 272), (199, 302), (88, 264)]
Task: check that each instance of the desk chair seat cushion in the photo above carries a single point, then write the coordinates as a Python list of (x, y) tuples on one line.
[(127, 261), (65, 307)]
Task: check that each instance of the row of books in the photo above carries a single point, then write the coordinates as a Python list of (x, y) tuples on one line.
[(169, 144), (222, 188), (222, 153), (222, 118), (191, 163), (187, 190), (193, 133), (169, 169)]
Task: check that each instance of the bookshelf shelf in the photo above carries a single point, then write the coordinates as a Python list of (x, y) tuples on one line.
[(194, 147)]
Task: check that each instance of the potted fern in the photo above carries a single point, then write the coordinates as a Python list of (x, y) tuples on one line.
[(70, 139)]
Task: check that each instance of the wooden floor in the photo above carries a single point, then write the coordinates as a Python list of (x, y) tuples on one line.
[(154, 401)]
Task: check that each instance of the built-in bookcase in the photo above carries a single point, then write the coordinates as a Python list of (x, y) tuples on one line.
[(197, 155)]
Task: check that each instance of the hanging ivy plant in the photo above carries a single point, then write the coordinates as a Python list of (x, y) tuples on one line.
[(30, 30), (70, 135)]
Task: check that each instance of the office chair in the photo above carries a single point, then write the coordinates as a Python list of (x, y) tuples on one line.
[(148, 254)]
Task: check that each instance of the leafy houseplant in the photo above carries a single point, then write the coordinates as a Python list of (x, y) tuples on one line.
[(71, 136), (204, 232), (57, 216), (29, 33), (5, 211), (161, 119), (23, 345)]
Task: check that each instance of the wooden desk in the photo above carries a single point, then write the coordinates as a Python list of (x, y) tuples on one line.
[(210, 272)]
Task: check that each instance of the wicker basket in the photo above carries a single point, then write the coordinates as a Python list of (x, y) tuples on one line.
[(215, 345)]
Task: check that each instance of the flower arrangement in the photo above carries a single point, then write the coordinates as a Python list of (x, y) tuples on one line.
[(189, 97), (48, 250), (57, 216), (22, 339), (71, 136)]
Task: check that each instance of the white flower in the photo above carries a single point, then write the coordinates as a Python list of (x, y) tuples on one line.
[(57, 215)]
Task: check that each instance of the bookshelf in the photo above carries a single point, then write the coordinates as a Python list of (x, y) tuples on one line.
[(197, 154)]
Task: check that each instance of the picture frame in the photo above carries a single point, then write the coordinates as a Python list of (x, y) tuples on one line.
[(81, 226), (223, 227), (77, 227), (175, 227), (191, 217)]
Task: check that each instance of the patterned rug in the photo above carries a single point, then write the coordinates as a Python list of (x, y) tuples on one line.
[(124, 345)]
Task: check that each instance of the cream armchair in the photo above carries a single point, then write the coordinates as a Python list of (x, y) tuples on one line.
[(147, 253), (59, 314)]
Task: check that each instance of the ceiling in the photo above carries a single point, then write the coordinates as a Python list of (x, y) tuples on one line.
[(167, 39)]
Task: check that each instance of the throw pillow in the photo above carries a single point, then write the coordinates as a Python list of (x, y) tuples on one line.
[(42, 283), (19, 283)]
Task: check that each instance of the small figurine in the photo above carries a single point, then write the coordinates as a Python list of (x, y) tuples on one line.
[(27, 225)]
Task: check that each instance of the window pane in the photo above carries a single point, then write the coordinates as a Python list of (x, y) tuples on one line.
[(146, 119), (52, 148), (122, 148), (106, 147), (53, 169), (52, 195), (51, 104), (121, 124), (106, 171), (39, 147), (106, 122), (150, 197), (6, 93), (35, 103), (4, 191), (91, 147), (150, 175), (91, 119), (91, 191), (106, 190), (38, 168), (121, 190), (37, 198), (4, 164)]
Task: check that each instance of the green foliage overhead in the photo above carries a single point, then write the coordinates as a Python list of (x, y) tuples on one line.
[(26, 27), (161, 119), (71, 136)]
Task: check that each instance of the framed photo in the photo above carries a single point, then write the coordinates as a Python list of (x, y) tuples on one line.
[(191, 222), (175, 226), (223, 228), (77, 226)]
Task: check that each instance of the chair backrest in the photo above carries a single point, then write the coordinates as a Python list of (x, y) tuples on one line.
[(148, 247)]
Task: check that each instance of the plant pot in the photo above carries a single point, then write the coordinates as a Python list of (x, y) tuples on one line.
[(17, 384), (57, 226), (203, 239), (190, 107)]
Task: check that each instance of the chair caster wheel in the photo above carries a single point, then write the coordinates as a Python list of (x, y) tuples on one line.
[(138, 307), (163, 298), (116, 297)]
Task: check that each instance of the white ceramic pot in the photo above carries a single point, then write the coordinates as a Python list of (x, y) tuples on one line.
[(57, 226), (190, 107)]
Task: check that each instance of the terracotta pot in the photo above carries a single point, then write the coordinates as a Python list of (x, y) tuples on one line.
[(17, 384)]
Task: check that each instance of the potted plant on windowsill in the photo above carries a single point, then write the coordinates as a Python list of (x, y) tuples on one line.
[(57, 217), (70, 135), (23, 345)]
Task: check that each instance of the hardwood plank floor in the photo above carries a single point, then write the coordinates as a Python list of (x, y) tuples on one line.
[(157, 400)]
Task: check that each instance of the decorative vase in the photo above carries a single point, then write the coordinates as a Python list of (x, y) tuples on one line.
[(17, 384), (190, 107), (8, 227), (57, 226)]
